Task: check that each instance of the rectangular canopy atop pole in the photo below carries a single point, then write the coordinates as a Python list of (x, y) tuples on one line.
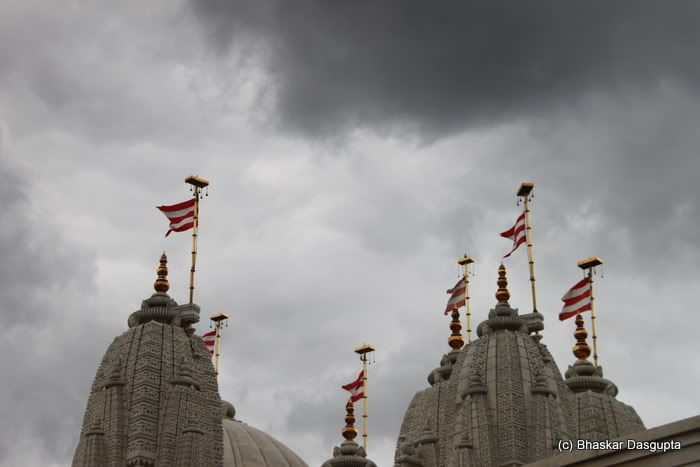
[(218, 317), (197, 181), (589, 263), (363, 349), (466, 260), (525, 188)]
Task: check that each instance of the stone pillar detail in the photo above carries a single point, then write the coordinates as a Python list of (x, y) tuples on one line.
[(189, 447), (95, 452), (114, 414), (427, 446), (180, 401)]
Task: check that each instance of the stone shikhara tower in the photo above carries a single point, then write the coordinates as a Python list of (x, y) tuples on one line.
[(155, 399), (501, 400)]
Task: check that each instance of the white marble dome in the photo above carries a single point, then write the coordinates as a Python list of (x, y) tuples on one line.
[(245, 446)]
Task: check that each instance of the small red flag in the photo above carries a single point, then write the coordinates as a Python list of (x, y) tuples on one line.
[(209, 340), (356, 388), (181, 216), (516, 233), (577, 299), (457, 299)]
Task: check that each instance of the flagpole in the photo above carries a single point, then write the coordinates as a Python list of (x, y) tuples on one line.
[(219, 320), (197, 183), (524, 192), (465, 262), (590, 265), (363, 350)]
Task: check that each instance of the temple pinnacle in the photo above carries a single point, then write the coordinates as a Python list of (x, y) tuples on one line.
[(502, 294), (161, 284), (349, 432), (456, 341), (581, 350)]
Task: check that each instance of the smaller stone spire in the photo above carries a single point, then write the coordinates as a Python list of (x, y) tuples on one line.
[(349, 453), (583, 375), (581, 350), (115, 376), (502, 294), (185, 375), (161, 284), (349, 431)]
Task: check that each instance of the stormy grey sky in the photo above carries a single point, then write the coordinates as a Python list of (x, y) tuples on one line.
[(355, 150)]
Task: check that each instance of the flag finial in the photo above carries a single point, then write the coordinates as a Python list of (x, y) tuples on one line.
[(161, 284), (456, 341), (581, 350), (502, 294), (349, 432)]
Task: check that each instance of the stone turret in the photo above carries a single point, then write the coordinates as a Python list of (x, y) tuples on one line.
[(150, 375), (349, 454), (501, 401), (599, 415)]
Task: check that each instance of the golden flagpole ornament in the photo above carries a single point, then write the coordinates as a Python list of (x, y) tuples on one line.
[(465, 262), (525, 193), (363, 350), (589, 264), (220, 320), (197, 184)]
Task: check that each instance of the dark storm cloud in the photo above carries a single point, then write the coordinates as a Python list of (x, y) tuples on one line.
[(43, 278), (305, 244), (32, 253), (442, 66)]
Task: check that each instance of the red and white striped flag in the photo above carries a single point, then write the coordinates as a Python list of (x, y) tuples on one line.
[(457, 299), (181, 216), (209, 340), (516, 233), (576, 300), (356, 388)]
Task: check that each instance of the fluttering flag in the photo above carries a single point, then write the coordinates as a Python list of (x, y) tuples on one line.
[(516, 233), (356, 388), (457, 299), (209, 340), (181, 216), (576, 300)]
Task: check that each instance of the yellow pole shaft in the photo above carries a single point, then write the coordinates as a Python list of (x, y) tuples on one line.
[(217, 347), (531, 262), (364, 402), (593, 320), (194, 240), (466, 303)]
